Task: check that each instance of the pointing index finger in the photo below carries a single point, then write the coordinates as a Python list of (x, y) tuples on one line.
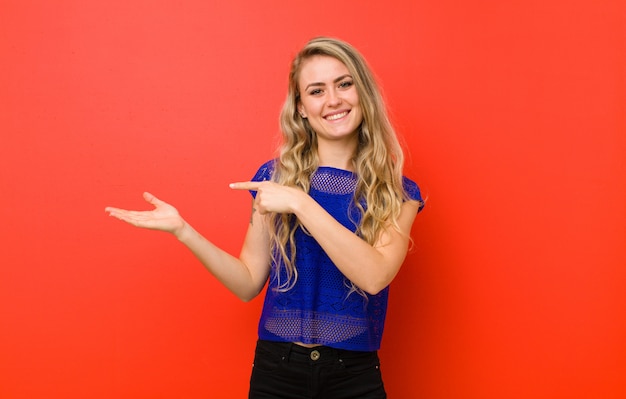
[(245, 185)]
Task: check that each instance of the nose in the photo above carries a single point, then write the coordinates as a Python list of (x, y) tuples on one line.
[(333, 98)]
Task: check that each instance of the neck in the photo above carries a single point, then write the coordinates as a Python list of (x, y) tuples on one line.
[(336, 156)]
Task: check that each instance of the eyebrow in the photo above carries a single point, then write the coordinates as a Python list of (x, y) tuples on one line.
[(339, 79)]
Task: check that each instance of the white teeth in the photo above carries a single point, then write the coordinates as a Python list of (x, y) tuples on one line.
[(337, 116)]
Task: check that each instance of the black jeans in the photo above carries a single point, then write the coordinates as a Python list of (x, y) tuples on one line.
[(289, 371)]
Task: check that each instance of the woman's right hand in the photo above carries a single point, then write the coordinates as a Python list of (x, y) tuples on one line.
[(163, 217)]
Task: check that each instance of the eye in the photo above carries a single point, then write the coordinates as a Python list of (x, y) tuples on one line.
[(315, 92), (346, 84)]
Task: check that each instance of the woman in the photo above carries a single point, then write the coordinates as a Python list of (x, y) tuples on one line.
[(329, 230)]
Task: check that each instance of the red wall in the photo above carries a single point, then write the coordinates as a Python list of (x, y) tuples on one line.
[(514, 118)]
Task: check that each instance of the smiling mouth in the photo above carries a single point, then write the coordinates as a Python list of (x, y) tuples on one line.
[(334, 117)]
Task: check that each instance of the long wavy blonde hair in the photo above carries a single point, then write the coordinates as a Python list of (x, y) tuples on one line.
[(377, 163)]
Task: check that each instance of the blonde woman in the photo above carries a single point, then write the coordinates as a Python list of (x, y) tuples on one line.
[(329, 231)]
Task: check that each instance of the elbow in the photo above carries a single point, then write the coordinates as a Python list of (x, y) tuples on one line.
[(247, 296), (374, 288), (246, 292), (372, 292), (378, 284)]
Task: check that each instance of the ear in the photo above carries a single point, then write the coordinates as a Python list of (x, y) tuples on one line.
[(301, 111)]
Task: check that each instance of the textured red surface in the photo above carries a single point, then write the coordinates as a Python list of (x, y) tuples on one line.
[(514, 118)]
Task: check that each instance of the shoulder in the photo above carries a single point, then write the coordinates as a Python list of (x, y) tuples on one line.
[(412, 191), (265, 171)]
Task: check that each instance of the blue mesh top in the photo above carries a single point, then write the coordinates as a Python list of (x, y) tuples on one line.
[(318, 309)]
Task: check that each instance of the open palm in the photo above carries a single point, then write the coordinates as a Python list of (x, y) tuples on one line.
[(163, 217)]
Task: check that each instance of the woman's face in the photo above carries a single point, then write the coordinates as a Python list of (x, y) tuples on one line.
[(329, 99)]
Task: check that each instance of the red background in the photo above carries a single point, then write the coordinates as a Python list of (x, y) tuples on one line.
[(513, 114)]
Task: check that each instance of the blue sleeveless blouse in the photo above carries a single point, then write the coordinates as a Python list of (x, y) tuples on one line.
[(319, 308)]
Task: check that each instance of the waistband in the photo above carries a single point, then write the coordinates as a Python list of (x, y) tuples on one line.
[(292, 351)]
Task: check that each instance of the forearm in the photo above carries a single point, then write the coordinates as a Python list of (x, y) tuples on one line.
[(369, 267), (227, 269)]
